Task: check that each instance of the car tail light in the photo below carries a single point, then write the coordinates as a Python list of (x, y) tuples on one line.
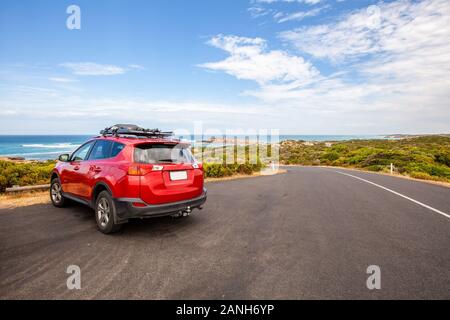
[(142, 170), (134, 170)]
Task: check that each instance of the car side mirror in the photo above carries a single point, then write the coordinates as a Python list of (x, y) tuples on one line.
[(64, 157)]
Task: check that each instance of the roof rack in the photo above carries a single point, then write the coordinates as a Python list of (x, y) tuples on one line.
[(133, 131)]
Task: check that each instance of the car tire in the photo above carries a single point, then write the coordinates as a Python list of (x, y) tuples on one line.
[(105, 211), (56, 194)]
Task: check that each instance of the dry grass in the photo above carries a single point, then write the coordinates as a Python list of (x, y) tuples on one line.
[(11, 201)]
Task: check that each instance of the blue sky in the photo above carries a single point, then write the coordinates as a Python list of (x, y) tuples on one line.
[(301, 66)]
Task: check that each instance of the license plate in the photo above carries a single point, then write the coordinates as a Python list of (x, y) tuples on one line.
[(178, 175)]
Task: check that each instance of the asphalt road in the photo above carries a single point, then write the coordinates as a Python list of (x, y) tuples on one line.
[(307, 234)]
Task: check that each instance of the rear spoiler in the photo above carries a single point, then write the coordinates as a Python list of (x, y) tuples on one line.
[(171, 142)]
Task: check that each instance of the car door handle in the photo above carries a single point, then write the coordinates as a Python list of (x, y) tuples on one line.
[(76, 168), (96, 169)]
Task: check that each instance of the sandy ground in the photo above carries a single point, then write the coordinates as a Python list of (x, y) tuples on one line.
[(24, 199)]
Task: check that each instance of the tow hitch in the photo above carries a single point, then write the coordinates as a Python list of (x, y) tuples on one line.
[(183, 213)]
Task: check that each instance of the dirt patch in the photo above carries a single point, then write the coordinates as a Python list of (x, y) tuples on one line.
[(11, 201)]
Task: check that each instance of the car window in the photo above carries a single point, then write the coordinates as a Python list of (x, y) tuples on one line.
[(101, 150), (82, 152), (159, 153), (116, 149)]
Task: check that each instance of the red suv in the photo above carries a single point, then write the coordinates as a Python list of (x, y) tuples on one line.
[(129, 172)]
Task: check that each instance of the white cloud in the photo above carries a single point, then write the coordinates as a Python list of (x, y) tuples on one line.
[(60, 105), (299, 15), (61, 79), (250, 59), (396, 27), (136, 67), (60, 111), (261, 8), (393, 70), (257, 12), (49, 102), (289, 1), (401, 63), (93, 69)]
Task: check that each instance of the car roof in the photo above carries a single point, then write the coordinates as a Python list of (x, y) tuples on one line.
[(138, 141)]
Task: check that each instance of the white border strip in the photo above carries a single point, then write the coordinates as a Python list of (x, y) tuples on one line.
[(398, 194)]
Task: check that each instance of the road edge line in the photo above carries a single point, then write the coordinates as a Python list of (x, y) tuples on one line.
[(398, 194)]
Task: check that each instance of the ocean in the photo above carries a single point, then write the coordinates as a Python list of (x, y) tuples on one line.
[(40, 147)]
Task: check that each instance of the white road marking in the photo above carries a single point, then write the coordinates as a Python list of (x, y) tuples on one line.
[(398, 194)]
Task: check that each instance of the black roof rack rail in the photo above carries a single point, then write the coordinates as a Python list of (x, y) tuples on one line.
[(131, 130)]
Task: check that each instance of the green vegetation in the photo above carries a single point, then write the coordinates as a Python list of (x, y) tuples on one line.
[(24, 174), (215, 161), (218, 170), (426, 157)]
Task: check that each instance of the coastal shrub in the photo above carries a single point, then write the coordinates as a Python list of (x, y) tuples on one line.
[(214, 170), (360, 155), (330, 156), (340, 148), (217, 170), (443, 158), (425, 176), (24, 173), (3, 183), (375, 168)]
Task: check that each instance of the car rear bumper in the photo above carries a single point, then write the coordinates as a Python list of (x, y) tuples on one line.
[(127, 210)]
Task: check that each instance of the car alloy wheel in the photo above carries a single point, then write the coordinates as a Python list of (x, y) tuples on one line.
[(103, 212), (56, 193)]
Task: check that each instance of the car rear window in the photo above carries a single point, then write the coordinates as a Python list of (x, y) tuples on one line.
[(116, 149), (161, 153), (101, 150), (105, 149)]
